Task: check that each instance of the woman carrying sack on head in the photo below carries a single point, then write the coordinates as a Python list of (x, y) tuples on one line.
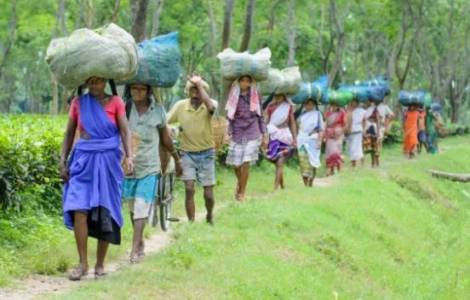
[(334, 136), (282, 128), (92, 171), (411, 122), (246, 130), (356, 123), (309, 140), (147, 122)]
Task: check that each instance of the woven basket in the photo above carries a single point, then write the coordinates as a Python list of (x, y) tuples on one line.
[(219, 130)]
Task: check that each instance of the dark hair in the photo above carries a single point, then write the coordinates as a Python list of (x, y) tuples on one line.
[(247, 76), (268, 100), (314, 101), (298, 112), (128, 97), (111, 82)]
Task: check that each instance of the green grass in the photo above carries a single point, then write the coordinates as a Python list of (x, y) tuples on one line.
[(391, 233)]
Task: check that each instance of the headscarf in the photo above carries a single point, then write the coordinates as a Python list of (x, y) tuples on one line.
[(189, 85), (234, 96)]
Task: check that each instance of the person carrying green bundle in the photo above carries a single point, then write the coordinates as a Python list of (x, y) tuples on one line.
[(334, 136), (309, 140), (281, 128), (378, 120), (147, 122), (433, 127), (246, 130), (356, 123)]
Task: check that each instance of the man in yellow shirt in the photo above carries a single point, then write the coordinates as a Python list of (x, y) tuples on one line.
[(194, 117)]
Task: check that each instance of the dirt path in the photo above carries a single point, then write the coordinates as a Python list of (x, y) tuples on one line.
[(40, 285)]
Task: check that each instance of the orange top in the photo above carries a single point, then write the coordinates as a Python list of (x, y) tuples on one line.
[(410, 140)]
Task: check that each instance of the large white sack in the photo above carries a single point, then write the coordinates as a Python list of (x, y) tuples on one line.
[(109, 52), (236, 64), (286, 81)]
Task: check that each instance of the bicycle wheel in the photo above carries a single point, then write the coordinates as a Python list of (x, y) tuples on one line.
[(165, 202), (165, 215)]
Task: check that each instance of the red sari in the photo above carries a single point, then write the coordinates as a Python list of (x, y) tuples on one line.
[(334, 135)]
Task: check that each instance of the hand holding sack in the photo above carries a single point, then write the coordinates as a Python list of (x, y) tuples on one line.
[(108, 52)]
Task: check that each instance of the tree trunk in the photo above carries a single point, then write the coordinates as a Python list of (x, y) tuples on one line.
[(337, 30), (89, 13), (215, 80), (272, 18), (451, 176), (156, 17), (117, 6), (59, 30), (139, 20), (227, 23), (12, 24), (250, 7), (291, 34)]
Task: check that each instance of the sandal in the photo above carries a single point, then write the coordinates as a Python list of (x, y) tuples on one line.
[(99, 273), (135, 259), (77, 273)]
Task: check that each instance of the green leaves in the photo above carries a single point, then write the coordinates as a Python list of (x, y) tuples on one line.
[(29, 158)]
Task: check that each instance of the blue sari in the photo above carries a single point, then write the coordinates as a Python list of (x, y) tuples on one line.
[(95, 175)]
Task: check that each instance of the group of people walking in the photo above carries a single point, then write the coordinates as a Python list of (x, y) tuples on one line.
[(97, 179)]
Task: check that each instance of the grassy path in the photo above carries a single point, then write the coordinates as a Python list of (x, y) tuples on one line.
[(390, 233)]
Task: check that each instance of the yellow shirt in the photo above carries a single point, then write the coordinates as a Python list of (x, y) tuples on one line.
[(195, 125)]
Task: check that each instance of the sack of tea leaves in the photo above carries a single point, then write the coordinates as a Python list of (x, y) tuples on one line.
[(236, 64), (286, 81), (340, 98), (109, 52), (411, 98), (158, 61), (312, 90)]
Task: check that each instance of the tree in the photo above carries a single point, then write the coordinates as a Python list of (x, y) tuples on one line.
[(227, 23), (250, 7), (337, 32), (291, 34), (156, 17), (117, 6), (139, 19)]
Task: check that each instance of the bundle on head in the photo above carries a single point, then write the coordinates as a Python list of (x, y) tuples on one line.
[(159, 61), (108, 52), (235, 64), (312, 90)]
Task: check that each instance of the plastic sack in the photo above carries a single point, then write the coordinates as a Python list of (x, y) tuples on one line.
[(235, 64), (312, 90), (378, 81), (286, 81), (427, 101), (360, 93), (158, 61), (109, 52), (411, 98), (341, 98)]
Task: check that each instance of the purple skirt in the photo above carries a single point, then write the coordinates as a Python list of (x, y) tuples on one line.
[(277, 149)]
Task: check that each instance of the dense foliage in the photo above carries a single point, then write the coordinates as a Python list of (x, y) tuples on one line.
[(29, 156), (417, 43)]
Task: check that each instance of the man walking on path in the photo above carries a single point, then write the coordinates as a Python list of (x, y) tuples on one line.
[(194, 117)]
